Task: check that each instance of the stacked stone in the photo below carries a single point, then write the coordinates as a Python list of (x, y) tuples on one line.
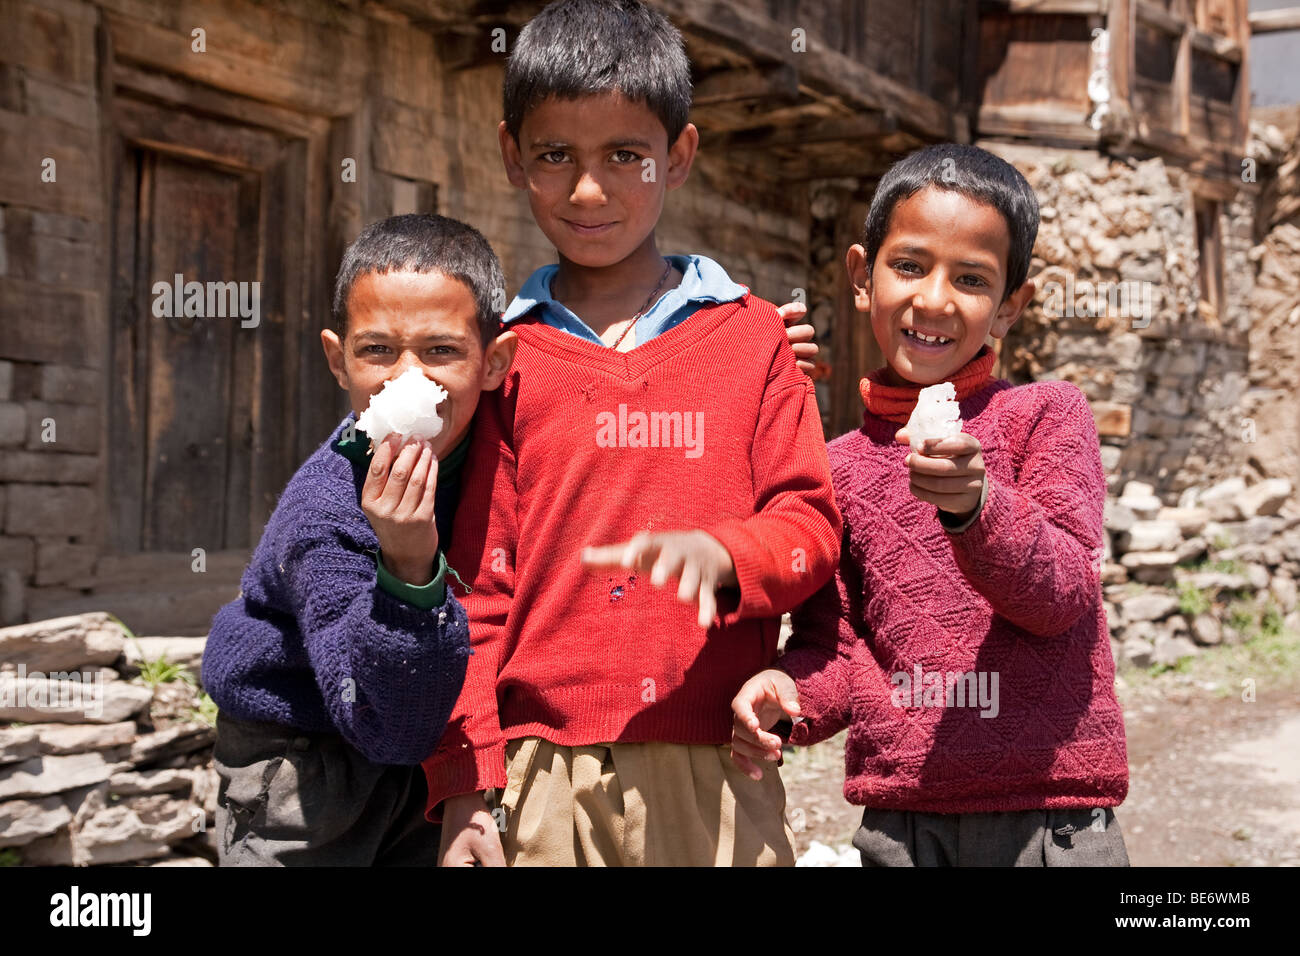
[(1166, 382), (96, 767), (1153, 550)]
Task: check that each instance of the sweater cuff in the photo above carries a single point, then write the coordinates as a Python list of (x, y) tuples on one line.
[(747, 557), (424, 596), (456, 774), (949, 521)]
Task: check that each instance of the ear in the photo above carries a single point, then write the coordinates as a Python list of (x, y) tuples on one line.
[(497, 358), (681, 154), (1010, 310), (856, 263), (511, 157), (334, 356)]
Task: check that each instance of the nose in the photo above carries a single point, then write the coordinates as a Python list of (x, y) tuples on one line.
[(934, 295), (587, 190), (406, 360)]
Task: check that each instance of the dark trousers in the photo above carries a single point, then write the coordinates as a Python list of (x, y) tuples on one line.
[(1021, 838), (291, 798)]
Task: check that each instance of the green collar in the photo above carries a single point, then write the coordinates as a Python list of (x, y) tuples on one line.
[(354, 445)]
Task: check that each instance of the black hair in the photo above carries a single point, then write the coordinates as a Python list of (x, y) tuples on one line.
[(975, 173), (577, 48), (424, 243)]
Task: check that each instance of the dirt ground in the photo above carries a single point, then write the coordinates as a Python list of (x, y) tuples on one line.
[(1214, 780)]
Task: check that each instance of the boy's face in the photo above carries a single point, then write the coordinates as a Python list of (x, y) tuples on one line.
[(583, 163), (940, 274), (424, 320)]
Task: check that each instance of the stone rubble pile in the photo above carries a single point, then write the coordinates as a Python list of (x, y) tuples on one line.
[(98, 766), (1220, 565)]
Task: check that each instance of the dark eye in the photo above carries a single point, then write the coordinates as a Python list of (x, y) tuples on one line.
[(975, 281), (625, 156), (554, 157), (374, 350), (907, 267)]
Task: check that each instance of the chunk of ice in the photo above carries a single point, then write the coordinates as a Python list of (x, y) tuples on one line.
[(406, 406), (936, 415)]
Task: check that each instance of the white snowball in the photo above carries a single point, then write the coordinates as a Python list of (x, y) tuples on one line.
[(936, 415), (406, 406)]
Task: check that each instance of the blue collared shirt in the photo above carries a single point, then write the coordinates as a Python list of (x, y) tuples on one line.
[(704, 282)]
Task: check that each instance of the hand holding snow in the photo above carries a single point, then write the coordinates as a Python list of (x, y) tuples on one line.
[(936, 415), (407, 406)]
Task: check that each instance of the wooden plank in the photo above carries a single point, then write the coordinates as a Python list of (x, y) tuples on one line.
[(778, 85), (47, 43), (196, 137), (1157, 16), (25, 143), (295, 80), (1035, 120), (42, 324), (1274, 21), (129, 313), (1084, 7), (859, 129), (197, 98), (820, 66)]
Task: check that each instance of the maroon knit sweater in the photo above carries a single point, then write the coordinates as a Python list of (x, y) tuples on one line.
[(1016, 595)]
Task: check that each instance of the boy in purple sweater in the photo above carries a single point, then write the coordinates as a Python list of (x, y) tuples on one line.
[(336, 668), (963, 640)]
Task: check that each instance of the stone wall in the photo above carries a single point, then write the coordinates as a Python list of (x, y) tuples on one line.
[(1118, 313), (1272, 402)]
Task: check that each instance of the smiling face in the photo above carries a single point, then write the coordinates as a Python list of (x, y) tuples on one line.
[(422, 320), (936, 291), (583, 164)]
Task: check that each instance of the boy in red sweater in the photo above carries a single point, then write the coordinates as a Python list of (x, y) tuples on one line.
[(654, 428), (963, 640)]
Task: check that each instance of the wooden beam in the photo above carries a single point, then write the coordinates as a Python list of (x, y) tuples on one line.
[(1084, 7), (1156, 16), (1274, 21), (762, 38), (778, 85), (870, 127), (1222, 47), (1038, 121)]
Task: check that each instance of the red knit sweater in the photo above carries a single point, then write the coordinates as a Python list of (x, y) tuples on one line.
[(1017, 594), (709, 425)]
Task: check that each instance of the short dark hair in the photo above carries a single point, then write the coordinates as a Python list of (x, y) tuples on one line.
[(577, 48), (424, 243), (975, 173)]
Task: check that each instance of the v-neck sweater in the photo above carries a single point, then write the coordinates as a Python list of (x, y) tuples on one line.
[(707, 426)]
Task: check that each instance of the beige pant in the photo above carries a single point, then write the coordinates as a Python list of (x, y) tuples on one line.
[(640, 804)]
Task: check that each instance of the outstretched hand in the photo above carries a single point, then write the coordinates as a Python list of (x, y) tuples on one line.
[(947, 472), (696, 558)]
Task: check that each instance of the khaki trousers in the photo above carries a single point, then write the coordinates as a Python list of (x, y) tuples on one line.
[(640, 804)]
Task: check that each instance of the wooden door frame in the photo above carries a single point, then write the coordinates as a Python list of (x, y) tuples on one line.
[(173, 116)]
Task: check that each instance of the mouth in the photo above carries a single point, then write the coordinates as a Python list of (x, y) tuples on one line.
[(927, 340), (589, 229)]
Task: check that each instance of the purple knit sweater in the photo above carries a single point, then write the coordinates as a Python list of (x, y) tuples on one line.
[(916, 612), (314, 643)]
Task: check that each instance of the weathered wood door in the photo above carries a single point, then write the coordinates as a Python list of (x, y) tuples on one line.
[(208, 413)]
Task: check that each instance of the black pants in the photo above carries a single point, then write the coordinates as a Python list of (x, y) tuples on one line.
[(1020, 838), (291, 798)]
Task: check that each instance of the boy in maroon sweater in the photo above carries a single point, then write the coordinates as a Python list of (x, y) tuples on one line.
[(963, 640)]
